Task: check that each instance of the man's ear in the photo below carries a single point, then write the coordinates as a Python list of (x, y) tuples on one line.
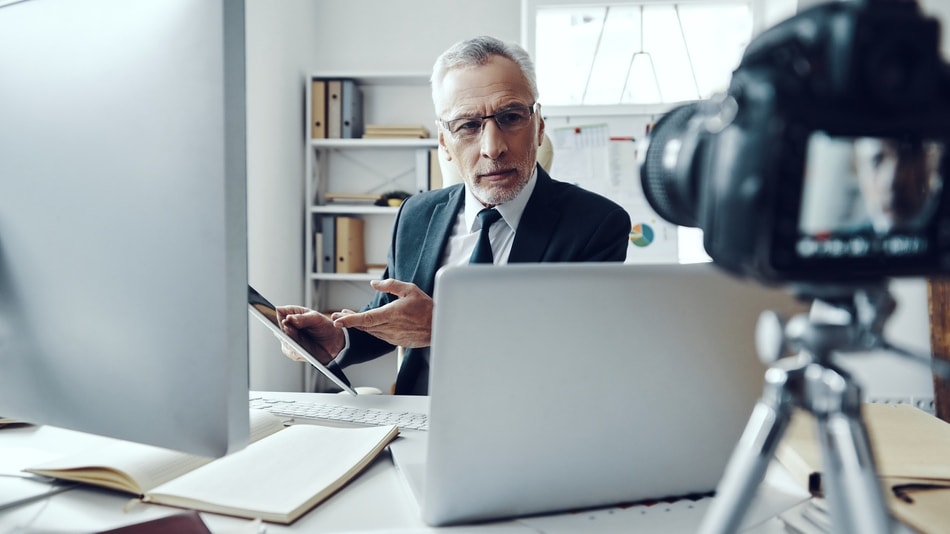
[(442, 147), (540, 128)]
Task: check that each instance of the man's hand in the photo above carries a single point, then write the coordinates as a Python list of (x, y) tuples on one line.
[(407, 321), (312, 330)]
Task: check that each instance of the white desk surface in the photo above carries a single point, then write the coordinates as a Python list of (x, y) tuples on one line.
[(377, 501)]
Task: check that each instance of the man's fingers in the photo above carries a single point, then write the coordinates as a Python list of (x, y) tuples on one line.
[(394, 287), (356, 320), (295, 322), (288, 311)]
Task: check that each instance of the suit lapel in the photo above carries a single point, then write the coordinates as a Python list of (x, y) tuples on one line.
[(536, 228), (437, 234)]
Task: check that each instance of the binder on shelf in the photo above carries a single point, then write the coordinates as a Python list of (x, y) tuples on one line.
[(334, 109), (352, 110), (317, 252), (423, 161), (328, 229), (318, 124), (350, 251)]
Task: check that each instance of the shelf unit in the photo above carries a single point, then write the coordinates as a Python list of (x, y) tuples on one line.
[(343, 175), (362, 166)]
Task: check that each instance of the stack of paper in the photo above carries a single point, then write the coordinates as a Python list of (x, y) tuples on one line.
[(911, 452)]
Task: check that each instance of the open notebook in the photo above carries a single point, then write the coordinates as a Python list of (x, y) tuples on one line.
[(583, 385)]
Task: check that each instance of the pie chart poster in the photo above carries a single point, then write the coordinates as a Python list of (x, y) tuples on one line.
[(651, 239)]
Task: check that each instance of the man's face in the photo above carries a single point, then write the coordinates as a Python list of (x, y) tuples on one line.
[(496, 163), (894, 180)]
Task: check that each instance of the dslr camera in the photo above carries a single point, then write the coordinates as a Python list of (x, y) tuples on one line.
[(824, 161)]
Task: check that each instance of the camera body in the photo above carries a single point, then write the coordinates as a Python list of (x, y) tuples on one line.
[(774, 172)]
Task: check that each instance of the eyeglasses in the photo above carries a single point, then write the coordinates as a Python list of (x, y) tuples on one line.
[(508, 120)]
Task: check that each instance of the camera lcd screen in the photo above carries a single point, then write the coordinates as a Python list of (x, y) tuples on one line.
[(866, 197)]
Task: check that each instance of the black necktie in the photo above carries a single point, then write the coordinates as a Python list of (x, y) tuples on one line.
[(482, 252)]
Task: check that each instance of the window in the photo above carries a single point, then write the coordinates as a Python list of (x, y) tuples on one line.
[(624, 63), (647, 52)]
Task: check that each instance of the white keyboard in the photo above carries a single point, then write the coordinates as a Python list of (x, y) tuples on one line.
[(334, 413)]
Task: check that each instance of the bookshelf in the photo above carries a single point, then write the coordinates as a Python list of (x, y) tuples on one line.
[(361, 167)]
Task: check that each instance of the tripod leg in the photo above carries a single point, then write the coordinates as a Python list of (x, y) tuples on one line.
[(750, 458), (853, 489), (850, 480)]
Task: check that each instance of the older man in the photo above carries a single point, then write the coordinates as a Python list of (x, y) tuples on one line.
[(489, 123)]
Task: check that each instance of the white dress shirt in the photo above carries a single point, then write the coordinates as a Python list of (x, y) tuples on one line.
[(502, 234)]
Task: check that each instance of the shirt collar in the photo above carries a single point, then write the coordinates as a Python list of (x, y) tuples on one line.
[(511, 211)]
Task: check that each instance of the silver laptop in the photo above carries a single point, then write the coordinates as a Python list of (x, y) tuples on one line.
[(564, 386)]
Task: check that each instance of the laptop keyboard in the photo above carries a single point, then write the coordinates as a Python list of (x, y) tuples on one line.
[(335, 414)]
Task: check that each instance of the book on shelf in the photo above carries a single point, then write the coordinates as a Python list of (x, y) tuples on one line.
[(409, 131), (282, 474), (351, 198), (910, 452)]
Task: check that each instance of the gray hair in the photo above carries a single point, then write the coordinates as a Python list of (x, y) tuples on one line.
[(475, 52)]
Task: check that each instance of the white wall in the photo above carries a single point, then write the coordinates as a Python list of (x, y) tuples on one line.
[(280, 47), (406, 35)]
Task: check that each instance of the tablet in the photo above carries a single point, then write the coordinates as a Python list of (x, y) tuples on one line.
[(261, 308)]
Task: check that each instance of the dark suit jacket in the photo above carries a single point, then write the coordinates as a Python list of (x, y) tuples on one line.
[(561, 223)]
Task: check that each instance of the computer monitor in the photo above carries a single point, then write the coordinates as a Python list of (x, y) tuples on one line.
[(123, 231)]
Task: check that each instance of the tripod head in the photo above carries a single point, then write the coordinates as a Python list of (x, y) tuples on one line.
[(844, 318)]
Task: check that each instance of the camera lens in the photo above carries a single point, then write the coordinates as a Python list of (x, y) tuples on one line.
[(667, 172)]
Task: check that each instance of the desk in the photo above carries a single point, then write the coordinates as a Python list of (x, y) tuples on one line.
[(377, 501)]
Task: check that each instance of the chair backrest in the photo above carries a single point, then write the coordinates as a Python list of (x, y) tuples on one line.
[(451, 175)]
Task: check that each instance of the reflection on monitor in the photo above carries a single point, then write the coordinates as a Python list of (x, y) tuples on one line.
[(123, 255)]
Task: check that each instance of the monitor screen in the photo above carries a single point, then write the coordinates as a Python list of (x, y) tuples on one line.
[(123, 226), (889, 192)]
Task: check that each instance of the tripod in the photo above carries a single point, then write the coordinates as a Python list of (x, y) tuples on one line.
[(810, 381)]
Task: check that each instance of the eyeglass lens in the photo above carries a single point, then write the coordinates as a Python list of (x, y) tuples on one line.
[(508, 119)]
